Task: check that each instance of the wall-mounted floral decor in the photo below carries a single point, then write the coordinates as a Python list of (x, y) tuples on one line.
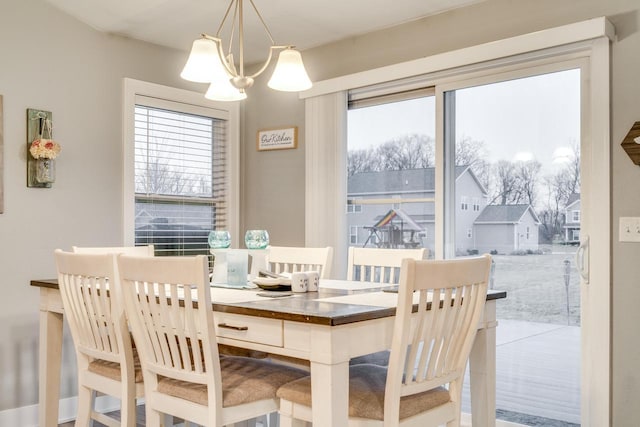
[(42, 149)]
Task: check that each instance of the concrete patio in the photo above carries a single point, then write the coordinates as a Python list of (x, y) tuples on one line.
[(538, 374)]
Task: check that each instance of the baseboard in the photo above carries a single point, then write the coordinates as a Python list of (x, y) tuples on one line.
[(27, 416)]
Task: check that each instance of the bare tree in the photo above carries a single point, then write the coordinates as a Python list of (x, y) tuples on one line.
[(515, 182), (473, 153), (505, 182), (560, 187), (551, 215), (163, 177), (527, 174), (573, 170), (408, 152), (364, 160)]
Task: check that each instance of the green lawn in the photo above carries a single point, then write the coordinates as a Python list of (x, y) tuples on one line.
[(535, 286)]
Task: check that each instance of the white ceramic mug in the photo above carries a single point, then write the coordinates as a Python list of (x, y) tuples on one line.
[(313, 279), (299, 282)]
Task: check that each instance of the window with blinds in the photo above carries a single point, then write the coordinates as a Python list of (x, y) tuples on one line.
[(181, 178)]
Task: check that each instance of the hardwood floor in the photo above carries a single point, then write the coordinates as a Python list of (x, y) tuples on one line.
[(140, 419)]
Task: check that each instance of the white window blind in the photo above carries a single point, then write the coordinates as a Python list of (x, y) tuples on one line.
[(181, 179)]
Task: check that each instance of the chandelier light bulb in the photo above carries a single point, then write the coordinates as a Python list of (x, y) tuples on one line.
[(203, 60), (290, 74)]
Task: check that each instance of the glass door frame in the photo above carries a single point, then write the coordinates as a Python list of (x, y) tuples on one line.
[(595, 234)]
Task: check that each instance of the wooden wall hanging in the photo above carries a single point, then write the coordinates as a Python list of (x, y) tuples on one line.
[(631, 143)]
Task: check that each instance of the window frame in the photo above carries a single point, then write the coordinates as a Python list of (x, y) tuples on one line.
[(133, 88), (353, 235), (354, 207), (464, 203), (575, 216)]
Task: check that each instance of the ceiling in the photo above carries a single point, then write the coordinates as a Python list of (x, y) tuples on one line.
[(304, 23)]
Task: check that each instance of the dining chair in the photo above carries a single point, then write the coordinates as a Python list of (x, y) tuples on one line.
[(290, 259), (381, 265), (168, 304), (94, 311), (422, 385), (147, 250)]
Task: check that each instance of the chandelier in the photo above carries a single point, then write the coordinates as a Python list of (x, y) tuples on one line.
[(209, 62)]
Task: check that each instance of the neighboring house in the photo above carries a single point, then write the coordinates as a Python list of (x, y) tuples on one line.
[(506, 228), (416, 188), (572, 220), (165, 227)]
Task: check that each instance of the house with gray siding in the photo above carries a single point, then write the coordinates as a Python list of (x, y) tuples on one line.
[(371, 196), (572, 220), (506, 228)]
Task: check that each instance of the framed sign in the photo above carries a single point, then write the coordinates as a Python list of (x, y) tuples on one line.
[(277, 139)]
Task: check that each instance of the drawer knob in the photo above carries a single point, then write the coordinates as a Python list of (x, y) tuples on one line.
[(235, 328)]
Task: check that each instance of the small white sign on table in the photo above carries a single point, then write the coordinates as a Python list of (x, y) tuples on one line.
[(277, 139)]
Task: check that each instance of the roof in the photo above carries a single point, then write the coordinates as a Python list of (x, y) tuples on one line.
[(405, 218), (504, 214), (396, 181), (573, 199)]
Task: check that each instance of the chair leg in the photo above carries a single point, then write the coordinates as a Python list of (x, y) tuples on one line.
[(154, 418), (128, 412), (85, 406)]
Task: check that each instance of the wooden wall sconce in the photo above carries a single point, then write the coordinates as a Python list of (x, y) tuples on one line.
[(631, 143)]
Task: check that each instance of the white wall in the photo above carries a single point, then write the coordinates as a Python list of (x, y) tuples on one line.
[(472, 25), (50, 61)]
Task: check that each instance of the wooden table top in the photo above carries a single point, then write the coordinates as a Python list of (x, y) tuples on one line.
[(310, 307)]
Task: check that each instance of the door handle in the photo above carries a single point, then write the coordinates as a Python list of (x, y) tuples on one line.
[(582, 259)]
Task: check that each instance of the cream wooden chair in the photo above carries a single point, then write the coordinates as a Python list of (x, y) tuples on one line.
[(379, 265), (422, 385), (106, 361), (183, 375), (148, 250), (289, 259)]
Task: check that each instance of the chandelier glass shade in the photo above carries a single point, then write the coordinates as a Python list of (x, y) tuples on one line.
[(209, 63)]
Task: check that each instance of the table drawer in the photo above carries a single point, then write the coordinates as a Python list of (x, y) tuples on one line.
[(249, 328)]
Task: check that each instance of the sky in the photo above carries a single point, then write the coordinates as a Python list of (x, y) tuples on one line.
[(526, 118)]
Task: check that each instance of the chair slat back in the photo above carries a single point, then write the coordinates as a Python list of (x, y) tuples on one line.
[(288, 259), (174, 338), (97, 322), (430, 348), (148, 250), (381, 265)]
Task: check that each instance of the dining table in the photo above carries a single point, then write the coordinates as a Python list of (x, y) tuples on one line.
[(327, 328)]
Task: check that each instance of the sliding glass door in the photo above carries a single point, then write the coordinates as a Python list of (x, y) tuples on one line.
[(512, 189), (490, 164)]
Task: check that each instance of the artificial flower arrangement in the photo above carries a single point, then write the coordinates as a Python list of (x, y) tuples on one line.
[(43, 148)]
